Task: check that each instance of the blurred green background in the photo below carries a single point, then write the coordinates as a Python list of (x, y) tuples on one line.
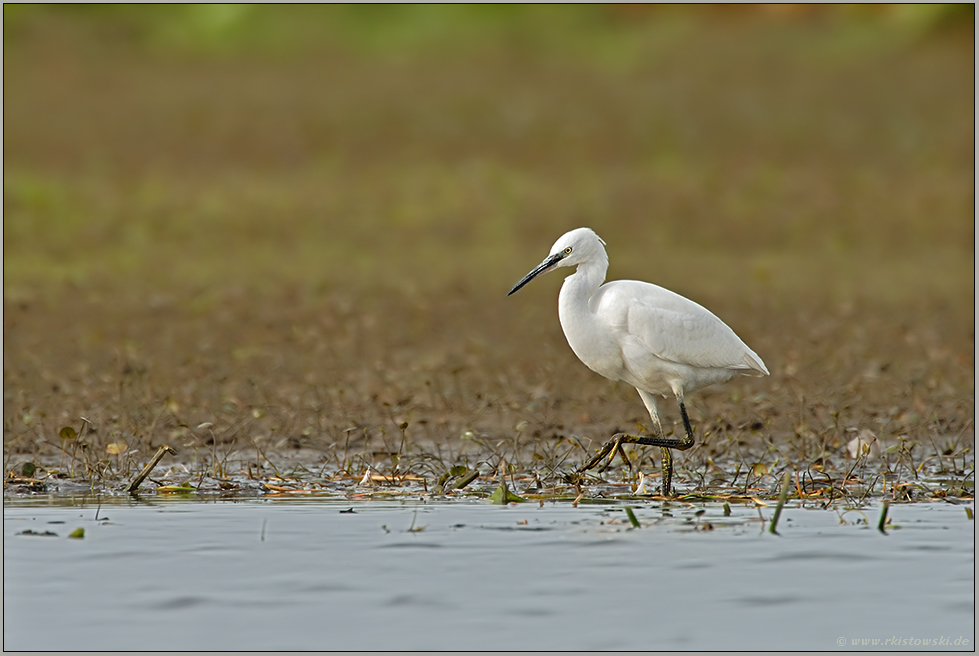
[(223, 144), (373, 179)]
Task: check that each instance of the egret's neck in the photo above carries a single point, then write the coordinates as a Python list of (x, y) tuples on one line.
[(580, 286)]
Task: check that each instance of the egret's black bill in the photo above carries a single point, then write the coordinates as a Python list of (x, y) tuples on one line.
[(541, 268)]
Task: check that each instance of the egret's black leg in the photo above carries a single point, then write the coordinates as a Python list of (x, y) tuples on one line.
[(610, 447), (616, 450), (665, 443), (667, 469), (686, 425)]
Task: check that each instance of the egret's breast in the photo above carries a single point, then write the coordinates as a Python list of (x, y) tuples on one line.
[(594, 344)]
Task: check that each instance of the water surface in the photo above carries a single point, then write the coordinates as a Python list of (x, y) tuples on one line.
[(282, 574)]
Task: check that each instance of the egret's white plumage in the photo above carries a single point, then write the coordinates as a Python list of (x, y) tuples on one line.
[(642, 334)]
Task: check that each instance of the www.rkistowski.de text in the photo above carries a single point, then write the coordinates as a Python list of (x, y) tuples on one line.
[(896, 641)]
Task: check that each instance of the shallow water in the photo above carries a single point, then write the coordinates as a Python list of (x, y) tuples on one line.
[(283, 574)]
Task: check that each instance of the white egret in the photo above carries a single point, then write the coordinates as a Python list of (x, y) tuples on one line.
[(642, 334)]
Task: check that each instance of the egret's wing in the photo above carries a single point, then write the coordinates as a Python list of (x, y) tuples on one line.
[(698, 341), (676, 329)]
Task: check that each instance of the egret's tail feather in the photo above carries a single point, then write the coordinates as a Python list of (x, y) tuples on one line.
[(754, 363)]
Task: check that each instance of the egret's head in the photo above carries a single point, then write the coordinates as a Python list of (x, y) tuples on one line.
[(573, 248)]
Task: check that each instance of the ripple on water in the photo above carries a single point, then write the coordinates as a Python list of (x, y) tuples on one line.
[(179, 603), (325, 587), (834, 556), (768, 600), (415, 600)]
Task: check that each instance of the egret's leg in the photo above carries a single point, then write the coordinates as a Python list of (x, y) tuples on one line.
[(649, 401), (686, 443), (616, 450), (609, 449), (665, 443), (666, 456), (667, 469), (614, 446)]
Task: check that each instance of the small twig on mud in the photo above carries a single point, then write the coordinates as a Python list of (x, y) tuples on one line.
[(870, 488), (736, 474), (261, 452), (846, 478), (163, 450)]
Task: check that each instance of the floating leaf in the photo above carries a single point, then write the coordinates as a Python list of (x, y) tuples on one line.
[(46, 534), (503, 496), (67, 433), (77, 534), (182, 487), (759, 469), (115, 448)]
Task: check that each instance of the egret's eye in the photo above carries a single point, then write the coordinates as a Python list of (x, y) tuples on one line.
[(567, 251)]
